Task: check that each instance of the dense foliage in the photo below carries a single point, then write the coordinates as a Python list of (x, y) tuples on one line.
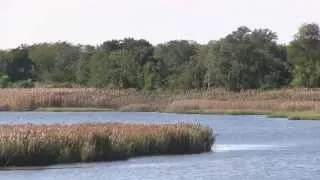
[(244, 59), (304, 54)]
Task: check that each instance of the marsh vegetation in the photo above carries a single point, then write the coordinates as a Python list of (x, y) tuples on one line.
[(30, 145)]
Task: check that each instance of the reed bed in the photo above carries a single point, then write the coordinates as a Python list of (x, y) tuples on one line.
[(30, 99), (181, 101), (267, 106), (33, 145)]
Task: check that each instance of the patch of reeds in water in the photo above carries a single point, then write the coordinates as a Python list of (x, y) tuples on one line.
[(34, 145)]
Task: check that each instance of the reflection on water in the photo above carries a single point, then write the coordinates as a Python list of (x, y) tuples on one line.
[(244, 147), (248, 147)]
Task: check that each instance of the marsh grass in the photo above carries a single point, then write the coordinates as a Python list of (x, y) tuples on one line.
[(214, 101), (72, 109), (297, 115), (34, 98), (34, 145)]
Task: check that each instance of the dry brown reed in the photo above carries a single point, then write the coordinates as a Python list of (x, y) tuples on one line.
[(30, 145), (30, 99), (132, 100), (247, 101)]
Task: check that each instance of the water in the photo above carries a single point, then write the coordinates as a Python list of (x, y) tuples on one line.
[(248, 147)]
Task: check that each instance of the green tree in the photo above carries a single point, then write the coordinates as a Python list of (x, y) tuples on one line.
[(247, 59), (127, 63), (175, 57), (19, 66), (82, 67), (304, 54), (55, 62)]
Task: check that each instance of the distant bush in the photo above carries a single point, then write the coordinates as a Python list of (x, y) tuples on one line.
[(4, 81), (23, 84)]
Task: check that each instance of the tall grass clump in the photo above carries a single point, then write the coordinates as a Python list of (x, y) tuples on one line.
[(34, 145)]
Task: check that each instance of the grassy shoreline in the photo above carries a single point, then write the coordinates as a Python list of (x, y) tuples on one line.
[(294, 115), (37, 145), (292, 103), (297, 115), (73, 109)]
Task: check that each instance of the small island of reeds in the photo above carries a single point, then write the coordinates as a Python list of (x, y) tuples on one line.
[(38, 145)]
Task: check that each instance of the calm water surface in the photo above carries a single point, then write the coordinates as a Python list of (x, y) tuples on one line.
[(248, 147)]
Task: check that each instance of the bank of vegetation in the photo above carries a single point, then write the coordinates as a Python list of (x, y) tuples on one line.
[(172, 76), (302, 103), (34, 145)]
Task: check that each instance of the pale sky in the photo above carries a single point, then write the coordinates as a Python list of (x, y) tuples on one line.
[(94, 21)]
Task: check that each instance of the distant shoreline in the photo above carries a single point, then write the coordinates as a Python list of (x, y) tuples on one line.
[(295, 104), (294, 115)]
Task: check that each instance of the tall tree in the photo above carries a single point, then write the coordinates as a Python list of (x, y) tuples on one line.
[(176, 55), (82, 67), (304, 54), (55, 62), (17, 64), (247, 59)]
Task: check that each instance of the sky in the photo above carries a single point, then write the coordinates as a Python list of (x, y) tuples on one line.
[(95, 21)]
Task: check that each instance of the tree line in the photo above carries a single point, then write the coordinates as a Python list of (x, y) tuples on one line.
[(244, 59)]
